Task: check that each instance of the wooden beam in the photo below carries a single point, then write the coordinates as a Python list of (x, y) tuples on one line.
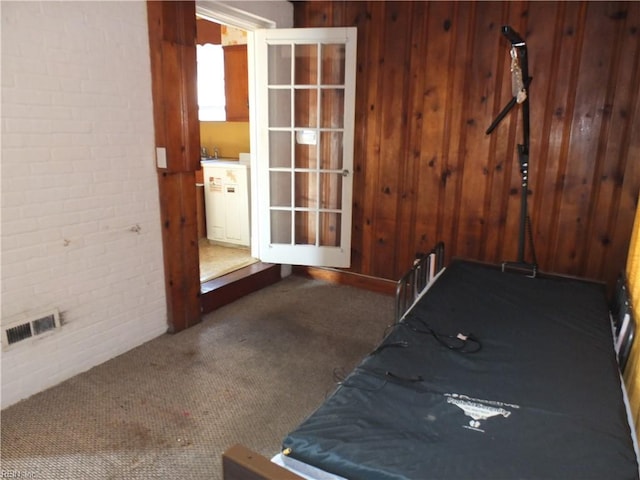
[(172, 36)]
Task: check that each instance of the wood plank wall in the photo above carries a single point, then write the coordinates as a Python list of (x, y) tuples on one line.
[(431, 78), (172, 47)]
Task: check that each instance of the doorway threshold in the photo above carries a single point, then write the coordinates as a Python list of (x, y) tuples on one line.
[(230, 287)]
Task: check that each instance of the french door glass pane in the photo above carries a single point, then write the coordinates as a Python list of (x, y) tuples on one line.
[(333, 62), (330, 193), (330, 229), (280, 226), (331, 150), (279, 64), (306, 67), (279, 108), (305, 228), (279, 149), (280, 189), (306, 189), (332, 108), (306, 156), (306, 107)]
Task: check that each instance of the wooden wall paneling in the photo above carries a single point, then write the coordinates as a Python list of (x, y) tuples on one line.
[(453, 166), (479, 83), (618, 165), (549, 69), (492, 101), (427, 144), (314, 14), (427, 120), (393, 102), (410, 191), (587, 120), (359, 15), (371, 89), (172, 33), (608, 149), (334, 14), (549, 162), (410, 133), (437, 50)]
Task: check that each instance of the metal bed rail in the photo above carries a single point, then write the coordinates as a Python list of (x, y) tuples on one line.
[(622, 317), (424, 269)]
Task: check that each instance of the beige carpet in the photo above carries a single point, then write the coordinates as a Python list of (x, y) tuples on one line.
[(248, 373), (218, 260)]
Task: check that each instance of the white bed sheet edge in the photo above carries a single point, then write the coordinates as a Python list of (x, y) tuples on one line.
[(302, 469)]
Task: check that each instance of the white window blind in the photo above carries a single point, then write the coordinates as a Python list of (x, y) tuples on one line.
[(211, 97)]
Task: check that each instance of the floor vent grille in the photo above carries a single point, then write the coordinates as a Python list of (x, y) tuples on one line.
[(16, 332)]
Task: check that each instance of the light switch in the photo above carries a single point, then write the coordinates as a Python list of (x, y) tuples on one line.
[(161, 157)]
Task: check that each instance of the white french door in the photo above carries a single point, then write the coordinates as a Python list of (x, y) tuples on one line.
[(305, 98)]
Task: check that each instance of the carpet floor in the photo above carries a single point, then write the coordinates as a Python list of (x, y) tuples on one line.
[(248, 373)]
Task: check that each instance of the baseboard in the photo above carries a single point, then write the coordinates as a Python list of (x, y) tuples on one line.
[(334, 275)]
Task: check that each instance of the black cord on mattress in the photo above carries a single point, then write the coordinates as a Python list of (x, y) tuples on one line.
[(460, 342)]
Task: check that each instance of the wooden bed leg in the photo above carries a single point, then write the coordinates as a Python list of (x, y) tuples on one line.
[(240, 463)]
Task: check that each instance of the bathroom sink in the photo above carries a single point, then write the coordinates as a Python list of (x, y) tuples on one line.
[(218, 161)]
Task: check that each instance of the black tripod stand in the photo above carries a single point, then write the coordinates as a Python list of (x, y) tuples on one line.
[(520, 73)]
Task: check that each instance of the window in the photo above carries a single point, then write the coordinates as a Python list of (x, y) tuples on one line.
[(211, 96)]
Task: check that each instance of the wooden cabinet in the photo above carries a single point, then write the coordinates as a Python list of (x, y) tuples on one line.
[(236, 83)]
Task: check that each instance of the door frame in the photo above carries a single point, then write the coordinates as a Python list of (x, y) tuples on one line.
[(226, 14), (172, 45)]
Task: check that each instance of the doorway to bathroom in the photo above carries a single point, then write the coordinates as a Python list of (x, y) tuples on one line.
[(222, 183)]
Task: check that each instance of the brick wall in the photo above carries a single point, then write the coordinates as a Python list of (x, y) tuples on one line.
[(80, 210)]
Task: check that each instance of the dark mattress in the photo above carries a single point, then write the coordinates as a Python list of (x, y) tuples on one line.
[(541, 399)]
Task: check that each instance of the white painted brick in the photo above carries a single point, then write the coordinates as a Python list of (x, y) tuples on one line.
[(26, 125), (13, 199), (25, 97), (78, 174)]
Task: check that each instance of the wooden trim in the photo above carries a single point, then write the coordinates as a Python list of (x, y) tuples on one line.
[(208, 32), (228, 288), (240, 463), (374, 284)]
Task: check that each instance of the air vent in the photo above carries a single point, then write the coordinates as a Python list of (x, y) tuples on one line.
[(17, 333), (21, 330)]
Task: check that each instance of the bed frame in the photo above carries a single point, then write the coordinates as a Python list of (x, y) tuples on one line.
[(416, 280), (241, 463)]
